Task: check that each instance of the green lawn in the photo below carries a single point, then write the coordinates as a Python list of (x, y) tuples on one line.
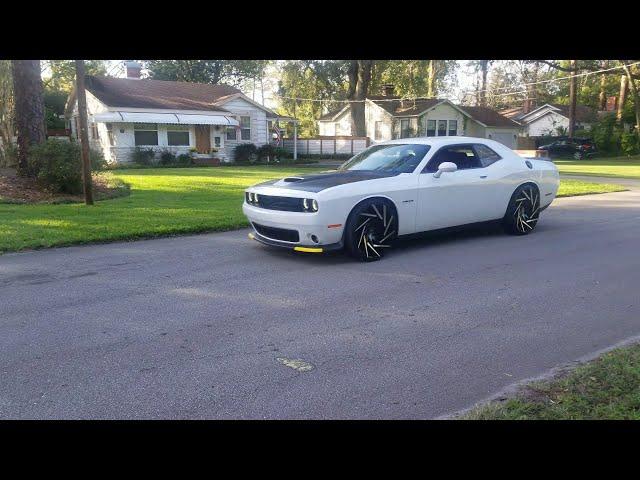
[(570, 188), (628, 167), (606, 388), (162, 202)]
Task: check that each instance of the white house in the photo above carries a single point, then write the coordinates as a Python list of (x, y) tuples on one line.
[(550, 119), (388, 117), (125, 113)]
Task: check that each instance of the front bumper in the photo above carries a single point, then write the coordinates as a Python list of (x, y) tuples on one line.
[(309, 226)]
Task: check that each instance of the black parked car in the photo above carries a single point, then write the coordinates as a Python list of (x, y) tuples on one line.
[(577, 148)]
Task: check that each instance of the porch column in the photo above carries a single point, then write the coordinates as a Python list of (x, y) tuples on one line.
[(295, 140)]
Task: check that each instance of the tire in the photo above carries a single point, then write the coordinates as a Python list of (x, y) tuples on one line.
[(578, 156), (523, 211), (370, 229)]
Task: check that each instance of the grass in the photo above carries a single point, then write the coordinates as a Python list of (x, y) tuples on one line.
[(605, 388), (162, 202), (570, 188), (627, 167)]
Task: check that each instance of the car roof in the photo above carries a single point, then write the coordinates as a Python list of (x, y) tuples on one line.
[(439, 141)]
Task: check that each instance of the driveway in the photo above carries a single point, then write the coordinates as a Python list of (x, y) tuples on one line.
[(212, 326)]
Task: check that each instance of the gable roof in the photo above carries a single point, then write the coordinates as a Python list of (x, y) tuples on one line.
[(333, 114), (158, 94), (398, 107), (583, 113), (489, 117)]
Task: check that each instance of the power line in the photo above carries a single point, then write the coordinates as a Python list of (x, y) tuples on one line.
[(465, 93)]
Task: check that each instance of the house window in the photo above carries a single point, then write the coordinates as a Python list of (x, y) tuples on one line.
[(94, 132), (431, 128), (146, 134), (378, 131), (178, 135), (453, 128), (110, 134), (216, 142), (231, 133), (404, 128), (245, 128), (442, 128)]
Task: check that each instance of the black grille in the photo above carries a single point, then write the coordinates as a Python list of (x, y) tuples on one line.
[(277, 233), (287, 204)]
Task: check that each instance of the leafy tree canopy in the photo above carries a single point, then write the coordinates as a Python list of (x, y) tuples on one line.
[(232, 72)]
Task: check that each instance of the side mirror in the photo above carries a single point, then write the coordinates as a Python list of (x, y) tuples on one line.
[(445, 167)]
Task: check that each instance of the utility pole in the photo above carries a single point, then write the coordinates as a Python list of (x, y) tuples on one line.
[(573, 87), (84, 134)]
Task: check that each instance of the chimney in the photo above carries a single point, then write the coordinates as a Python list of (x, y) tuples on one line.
[(387, 89), (133, 69)]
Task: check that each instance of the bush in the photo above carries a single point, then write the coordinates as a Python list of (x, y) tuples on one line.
[(143, 156), (629, 143), (184, 159), (9, 156), (57, 165), (167, 157), (97, 160), (245, 152), (266, 152)]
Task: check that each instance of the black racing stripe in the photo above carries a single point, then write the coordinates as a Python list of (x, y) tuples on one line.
[(322, 181)]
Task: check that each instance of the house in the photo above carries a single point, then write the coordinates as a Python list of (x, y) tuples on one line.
[(388, 117), (125, 113), (550, 119)]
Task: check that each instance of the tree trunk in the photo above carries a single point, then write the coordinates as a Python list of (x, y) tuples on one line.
[(624, 85), (602, 97), (431, 79), (29, 108), (84, 133), (484, 66), (636, 96), (362, 76), (573, 87)]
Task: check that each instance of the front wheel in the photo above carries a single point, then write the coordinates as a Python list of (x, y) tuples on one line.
[(578, 155), (372, 226), (523, 211)]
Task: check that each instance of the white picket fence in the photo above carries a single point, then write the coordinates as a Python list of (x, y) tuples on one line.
[(328, 145)]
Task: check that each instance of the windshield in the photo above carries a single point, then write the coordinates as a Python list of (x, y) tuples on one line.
[(394, 158)]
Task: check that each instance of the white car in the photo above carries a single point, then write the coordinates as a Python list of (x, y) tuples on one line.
[(402, 187)]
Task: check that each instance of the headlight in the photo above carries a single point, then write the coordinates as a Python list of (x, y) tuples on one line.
[(251, 198), (310, 205), (255, 198)]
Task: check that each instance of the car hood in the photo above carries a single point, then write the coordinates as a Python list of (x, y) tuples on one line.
[(321, 181)]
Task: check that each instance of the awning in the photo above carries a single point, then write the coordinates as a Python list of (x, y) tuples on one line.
[(175, 118)]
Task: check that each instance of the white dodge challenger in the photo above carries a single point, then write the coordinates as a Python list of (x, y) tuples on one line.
[(402, 187)]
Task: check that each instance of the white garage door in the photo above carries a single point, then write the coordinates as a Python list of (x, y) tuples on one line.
[(504, 138)]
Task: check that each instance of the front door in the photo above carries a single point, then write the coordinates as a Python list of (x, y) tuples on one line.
[(203, 139)]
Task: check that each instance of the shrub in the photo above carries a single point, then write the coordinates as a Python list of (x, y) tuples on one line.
[(245, 152), (629, 143), (9, 156), (143, 156), (97, 160), (57, 166), (266, 152), (283, 153), (167, 157), (184, 159)]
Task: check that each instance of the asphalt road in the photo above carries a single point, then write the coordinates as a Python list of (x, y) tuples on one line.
[(208, 326)]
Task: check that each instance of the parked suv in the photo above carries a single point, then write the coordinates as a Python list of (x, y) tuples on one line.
[(577, 148)]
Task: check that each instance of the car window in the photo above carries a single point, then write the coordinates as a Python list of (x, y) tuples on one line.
[(396, 158), (486, 155), (462, 155)]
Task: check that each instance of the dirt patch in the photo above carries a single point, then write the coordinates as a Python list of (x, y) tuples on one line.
[(16, 189)]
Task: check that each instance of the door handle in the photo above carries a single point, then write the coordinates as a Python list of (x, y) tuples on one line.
[(483, 176)]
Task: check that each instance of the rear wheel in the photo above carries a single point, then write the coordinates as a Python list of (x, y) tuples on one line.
[(372, 226), (523, 211), (578, 155)]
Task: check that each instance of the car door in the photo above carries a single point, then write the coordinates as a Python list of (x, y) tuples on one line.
[(455, 198)]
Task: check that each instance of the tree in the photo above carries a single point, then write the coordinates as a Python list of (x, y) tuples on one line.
[(573, 87), (359, 79), (634, 92), (29, 108), (6, 103), (63, 74), (233, 72)]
